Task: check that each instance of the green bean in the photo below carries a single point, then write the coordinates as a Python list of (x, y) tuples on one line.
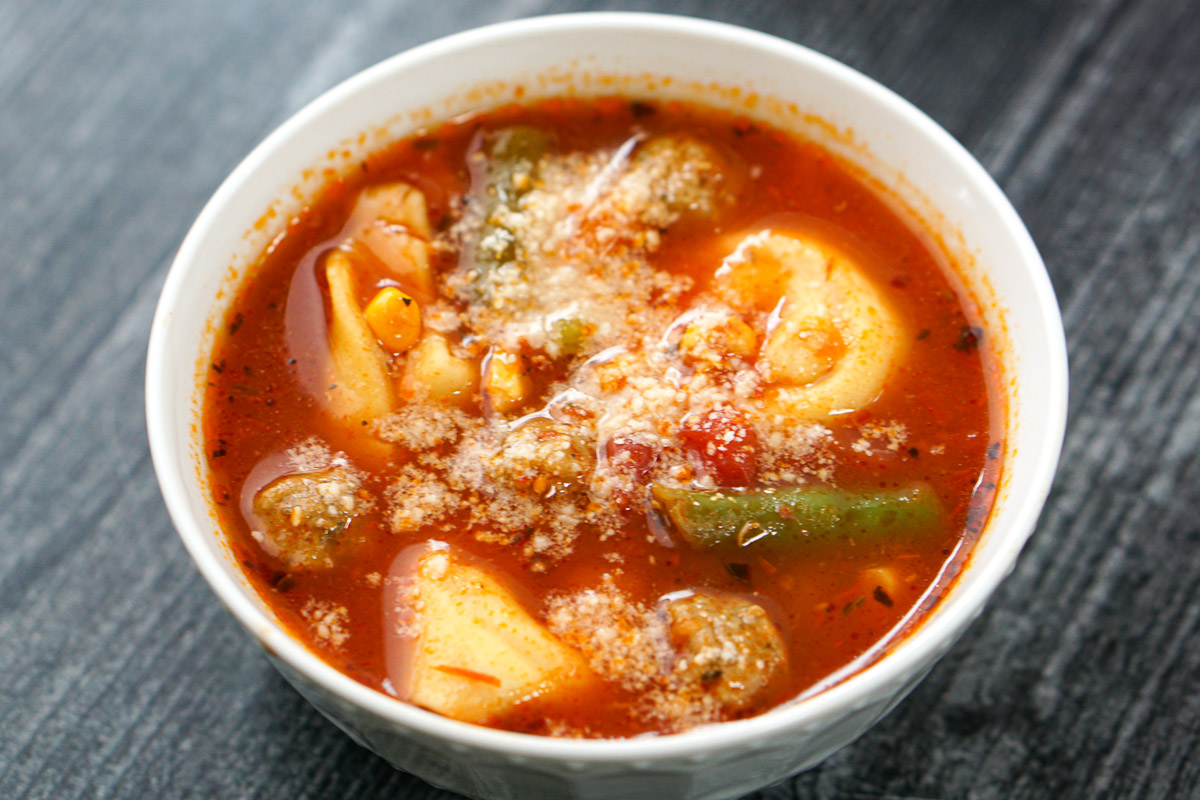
[(509, 170), (771, 521), (513, 155), (569, 334)]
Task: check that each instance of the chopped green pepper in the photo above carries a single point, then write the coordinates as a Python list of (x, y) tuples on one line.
[(781, 520)]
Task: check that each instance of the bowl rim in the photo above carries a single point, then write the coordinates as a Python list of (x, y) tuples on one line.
[(941, 625)]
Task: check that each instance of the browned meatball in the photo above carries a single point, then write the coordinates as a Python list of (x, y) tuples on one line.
[(544, 455), (305, 514), (727, 649)]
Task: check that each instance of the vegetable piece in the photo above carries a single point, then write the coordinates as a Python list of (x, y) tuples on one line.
[(361, 389), (837, 339), (304, 514), (727, 649), (682, 172), (470, 650), (568, 336), (506, 380), (645, 187), (513, 154), (506, 168), (627, 452), (395, 319), (781, 520), (724, 445), (432, 370)]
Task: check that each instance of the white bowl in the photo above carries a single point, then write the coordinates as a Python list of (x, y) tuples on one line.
[(924, 169)]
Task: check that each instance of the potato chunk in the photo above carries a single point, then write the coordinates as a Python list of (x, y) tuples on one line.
[(304, 514), (434, 371), (727, 649), (506, 381), (470, 651)]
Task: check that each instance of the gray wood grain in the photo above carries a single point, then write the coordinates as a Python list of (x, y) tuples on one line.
[(121, 677)]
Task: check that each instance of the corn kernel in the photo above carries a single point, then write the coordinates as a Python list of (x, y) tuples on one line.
[(395, 319)]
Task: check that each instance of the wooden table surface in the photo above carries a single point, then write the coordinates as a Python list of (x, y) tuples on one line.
[(120, 674)]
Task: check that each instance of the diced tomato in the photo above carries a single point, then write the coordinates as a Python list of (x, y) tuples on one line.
[(722, 442), (627, 452)]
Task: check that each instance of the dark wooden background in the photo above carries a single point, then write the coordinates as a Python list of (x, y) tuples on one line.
[(120, 675)]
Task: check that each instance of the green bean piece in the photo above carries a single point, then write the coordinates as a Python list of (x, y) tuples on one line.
[(570, 334), (513, 155), (780, 521), (509, 171)]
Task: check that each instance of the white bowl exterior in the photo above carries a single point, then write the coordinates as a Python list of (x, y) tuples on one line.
[(907, 151)]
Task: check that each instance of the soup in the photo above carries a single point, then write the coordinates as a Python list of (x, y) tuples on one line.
[(598, 418)]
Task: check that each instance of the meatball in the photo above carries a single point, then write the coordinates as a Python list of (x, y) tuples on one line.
[(306, 513), (544, 455), (727, 649), (674, 174)]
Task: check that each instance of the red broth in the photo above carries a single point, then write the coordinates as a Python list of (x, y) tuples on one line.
[(830, 599)]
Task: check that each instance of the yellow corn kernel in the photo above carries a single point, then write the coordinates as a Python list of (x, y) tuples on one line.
[(395, 319), (506, 381)]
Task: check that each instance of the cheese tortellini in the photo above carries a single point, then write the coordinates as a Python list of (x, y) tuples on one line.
[(831, 340), (362, 387)]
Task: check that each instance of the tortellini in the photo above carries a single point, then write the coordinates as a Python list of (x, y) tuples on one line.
[(392, 222), (362, 389), (832, 338)]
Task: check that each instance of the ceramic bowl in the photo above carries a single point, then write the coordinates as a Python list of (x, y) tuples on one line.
[(917, 164)]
